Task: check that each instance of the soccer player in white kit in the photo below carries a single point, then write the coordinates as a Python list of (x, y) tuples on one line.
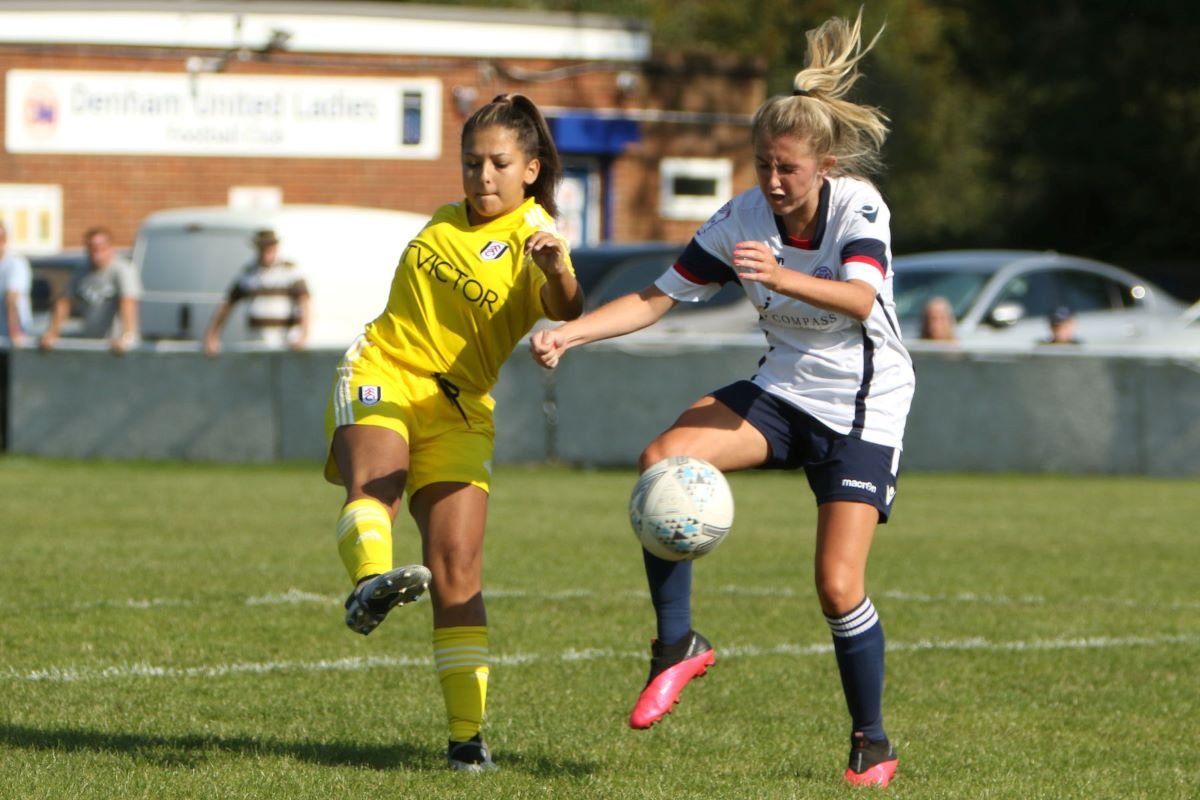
[(811, 247)]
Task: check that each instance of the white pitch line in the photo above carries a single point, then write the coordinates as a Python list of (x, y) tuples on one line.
[(966, 597), (300, 597), (292, 597), (356, 664), (1032, 600)]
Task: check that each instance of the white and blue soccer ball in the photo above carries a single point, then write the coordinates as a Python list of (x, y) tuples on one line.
[(681, 508)]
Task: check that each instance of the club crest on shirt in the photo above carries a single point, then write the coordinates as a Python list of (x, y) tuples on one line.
[(869, 212), (493, 250), (369, 395), (823, 272), (720, 216)]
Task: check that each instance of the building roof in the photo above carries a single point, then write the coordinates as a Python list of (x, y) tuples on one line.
[(323, 26)]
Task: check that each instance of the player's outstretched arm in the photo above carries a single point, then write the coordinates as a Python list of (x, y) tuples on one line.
[(626, 314)]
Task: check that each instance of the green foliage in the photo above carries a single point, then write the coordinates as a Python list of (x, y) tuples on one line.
[(1100, 124), (174, 631), (1072, 126)]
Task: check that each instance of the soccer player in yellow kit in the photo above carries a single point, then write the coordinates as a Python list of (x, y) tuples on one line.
[(410, 410)]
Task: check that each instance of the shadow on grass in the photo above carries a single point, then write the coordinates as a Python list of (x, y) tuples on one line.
[(192, 750)]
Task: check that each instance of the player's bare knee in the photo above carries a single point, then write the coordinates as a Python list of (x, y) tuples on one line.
[(654, 453), (387, 489), (455, 585), (838, 594)]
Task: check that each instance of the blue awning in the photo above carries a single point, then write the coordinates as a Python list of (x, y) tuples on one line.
[(580, 133)]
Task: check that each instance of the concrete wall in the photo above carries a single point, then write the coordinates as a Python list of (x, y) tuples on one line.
[(241, 407), (1051, 411), (1056, 412)]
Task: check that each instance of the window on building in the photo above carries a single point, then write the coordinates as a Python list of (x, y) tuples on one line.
[(410, 126), (693, 188)]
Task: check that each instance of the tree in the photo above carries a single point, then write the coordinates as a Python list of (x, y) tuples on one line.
[(1067, 124)]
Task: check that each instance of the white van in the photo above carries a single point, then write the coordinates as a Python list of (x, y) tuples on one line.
[(188, 258)]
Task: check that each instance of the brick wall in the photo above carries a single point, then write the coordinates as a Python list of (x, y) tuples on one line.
[(118, 191)]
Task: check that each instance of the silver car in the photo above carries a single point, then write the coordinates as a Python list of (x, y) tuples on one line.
[(1007, 297), (630, 268), (1180, 336)]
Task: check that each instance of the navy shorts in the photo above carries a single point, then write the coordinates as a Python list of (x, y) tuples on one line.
[(838, 466)]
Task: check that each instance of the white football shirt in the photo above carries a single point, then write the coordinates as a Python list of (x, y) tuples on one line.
[(855, 377)]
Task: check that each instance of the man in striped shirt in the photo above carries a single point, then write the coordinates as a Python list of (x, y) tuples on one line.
[(277, 296)]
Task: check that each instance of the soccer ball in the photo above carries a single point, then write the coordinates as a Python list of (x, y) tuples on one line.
[(681, 508)]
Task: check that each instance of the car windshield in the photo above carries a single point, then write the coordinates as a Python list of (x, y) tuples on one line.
[(639, 272), (593, 264), (214, 254), (913, 288)]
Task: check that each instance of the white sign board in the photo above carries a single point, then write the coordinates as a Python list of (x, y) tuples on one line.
[(203, 114)]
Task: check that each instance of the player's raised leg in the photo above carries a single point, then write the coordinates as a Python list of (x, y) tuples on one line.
[(376, 595), (712, 431), (372, 462)]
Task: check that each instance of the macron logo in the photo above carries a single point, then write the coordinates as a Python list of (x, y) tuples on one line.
[(851, 483)]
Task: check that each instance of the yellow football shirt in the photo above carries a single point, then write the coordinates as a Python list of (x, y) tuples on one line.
[(463, 295)]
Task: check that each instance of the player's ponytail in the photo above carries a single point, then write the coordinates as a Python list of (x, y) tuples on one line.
[(816, 111), (519, 114)]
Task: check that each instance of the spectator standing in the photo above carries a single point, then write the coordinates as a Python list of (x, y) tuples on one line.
[(277, 296), (16, 279), (104, 295)]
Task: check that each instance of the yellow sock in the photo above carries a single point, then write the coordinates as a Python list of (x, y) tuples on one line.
[(461, 658), (364, 538)]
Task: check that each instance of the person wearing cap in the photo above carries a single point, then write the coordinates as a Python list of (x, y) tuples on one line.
[(1062, 327), (277, 297)]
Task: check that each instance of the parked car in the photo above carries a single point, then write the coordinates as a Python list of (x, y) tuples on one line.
[(1186, 333), (594, 261), (999, 297), (1180, 335), (612, 270), (1006, 297), (51, 274), (1190, 318)]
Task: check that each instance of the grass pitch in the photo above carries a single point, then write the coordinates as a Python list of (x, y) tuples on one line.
[(175, 631)]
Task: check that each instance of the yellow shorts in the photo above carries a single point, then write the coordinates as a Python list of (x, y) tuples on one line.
[(371, 389)]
